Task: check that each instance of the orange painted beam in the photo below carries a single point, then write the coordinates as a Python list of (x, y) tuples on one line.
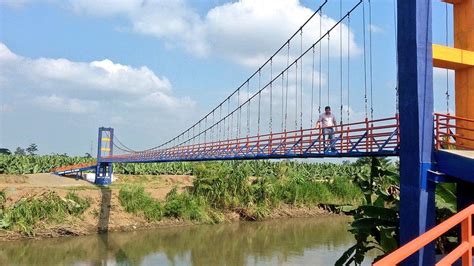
[(413, 246), (452, 58)]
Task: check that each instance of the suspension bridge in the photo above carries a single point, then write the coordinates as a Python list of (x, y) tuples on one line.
[(274, 114)]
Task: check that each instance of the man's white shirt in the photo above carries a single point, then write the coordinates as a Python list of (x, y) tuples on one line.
[(327, 120)]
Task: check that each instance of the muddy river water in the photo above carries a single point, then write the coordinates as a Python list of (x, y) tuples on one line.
[(298, 241)]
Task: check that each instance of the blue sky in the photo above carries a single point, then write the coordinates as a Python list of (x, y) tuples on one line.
[(151, 68)]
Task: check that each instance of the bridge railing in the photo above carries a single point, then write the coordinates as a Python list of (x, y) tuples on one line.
[(73, 167), (454, 132), (369, 136), (463, 250)]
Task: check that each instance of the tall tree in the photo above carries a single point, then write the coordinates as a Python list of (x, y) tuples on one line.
[(5, 151), (32, 149), (20, 151)]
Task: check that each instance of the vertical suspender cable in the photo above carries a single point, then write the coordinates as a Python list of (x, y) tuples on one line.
[(447, 71), (301, 77), (282, 101), (287, 83), (348, 68), (370, 64), (231, 136), (248, 107), (228, 122), (365, 60), (259, 100), (212, 127), (220, 119), (340, 56), (329, 78), (205, 129), (239, 121), (271, 95), (199, 133), (296, 94), (396, 55), (320, 60), (312, 92)]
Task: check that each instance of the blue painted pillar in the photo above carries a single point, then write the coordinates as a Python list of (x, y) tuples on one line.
[(415, 68), (104, 170)]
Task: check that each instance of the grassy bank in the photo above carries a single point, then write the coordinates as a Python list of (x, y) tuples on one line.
[(28, 212), (251, 190), (214, 192)]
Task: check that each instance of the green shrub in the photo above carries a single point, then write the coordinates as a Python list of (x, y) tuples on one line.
[(77, 205), (27, 212), (134, 199), (185, 206)]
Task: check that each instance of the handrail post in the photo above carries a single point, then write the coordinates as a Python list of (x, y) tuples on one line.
[(270, 148), (319, 141), (438, 144), (366, 134), (301, 138), (341, 141), (397, 116), (348, 140), (466, 236)]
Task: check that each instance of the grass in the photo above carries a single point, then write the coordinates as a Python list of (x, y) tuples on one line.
[(25, 214), (251, 188), (218, 188), (134, 199)]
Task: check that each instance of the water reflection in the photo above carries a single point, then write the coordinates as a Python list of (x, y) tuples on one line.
[(310, 241)]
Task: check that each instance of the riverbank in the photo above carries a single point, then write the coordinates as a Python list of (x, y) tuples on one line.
[(103, 208)]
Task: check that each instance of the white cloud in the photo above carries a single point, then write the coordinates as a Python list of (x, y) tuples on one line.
[(15, 3), (68, 84), (69, 105), (246, 32), (375, 29)]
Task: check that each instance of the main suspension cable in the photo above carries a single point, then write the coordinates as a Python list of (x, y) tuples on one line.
[(299, 57), (251, 76)]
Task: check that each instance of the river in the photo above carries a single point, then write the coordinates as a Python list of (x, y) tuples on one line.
[(298, 241)]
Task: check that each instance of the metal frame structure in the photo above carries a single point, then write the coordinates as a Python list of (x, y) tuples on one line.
[(369, 138)]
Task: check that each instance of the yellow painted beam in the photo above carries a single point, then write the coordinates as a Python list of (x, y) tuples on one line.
[(105, 139), (105, 149), (452, 58)]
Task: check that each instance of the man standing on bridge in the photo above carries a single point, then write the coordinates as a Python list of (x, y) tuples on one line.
[(327, 121)]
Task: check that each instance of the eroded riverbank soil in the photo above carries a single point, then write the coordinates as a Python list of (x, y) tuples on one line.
[(105, 212)]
